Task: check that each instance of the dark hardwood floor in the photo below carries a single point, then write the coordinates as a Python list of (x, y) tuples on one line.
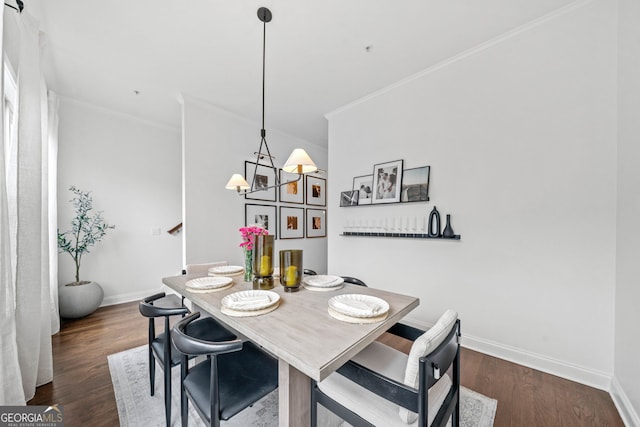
[(82, 382)]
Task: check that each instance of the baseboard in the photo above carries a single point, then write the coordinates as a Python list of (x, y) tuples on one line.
[(131, 296), (625, 408), (582, 375)]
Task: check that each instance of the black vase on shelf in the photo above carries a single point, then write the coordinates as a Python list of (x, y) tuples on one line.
[(448, 231), (434, 223)]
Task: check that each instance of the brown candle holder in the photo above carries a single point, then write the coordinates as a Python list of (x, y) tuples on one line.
[(291, 269), (263, 262)]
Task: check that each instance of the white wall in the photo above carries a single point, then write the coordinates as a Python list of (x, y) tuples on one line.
[(132, 168), (520, 134), (216, 144), (626, 383)]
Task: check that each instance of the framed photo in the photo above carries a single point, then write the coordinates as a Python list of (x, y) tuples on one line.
[(387, 180), (291, 223), (349, 198), (415, 185), (316, 223), (316, 191), (265, 176), (294, 191), (364, 185), (263, 215)]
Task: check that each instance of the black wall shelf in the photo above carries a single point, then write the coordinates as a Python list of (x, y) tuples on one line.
[(400, 235)]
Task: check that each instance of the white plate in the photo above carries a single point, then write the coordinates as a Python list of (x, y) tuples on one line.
[(209, 282), (358, 305), (250, 300), (323, 281), (317, 289), (226, 269)]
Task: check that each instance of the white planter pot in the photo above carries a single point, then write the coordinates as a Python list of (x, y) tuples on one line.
[(79, 300)]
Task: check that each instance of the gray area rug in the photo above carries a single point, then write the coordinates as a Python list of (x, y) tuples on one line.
[(136, 407)]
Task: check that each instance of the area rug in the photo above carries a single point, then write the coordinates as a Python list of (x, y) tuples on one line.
[(136, 407)]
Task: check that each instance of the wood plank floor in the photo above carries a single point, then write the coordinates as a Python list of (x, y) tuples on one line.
[(82, 382)]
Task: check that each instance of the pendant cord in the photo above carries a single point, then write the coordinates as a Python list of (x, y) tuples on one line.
[(264, 44)]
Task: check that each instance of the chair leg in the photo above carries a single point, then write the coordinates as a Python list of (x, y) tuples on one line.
[(184, 402), (167, 393), (152, 371), (314, 405)]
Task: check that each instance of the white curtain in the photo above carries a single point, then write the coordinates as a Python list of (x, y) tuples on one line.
[(50, 141), (32, 311), (11, 392)]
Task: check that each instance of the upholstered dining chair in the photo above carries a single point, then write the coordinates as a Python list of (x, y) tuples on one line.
[(353, 281), (162, 305), (234, 376), (203, 268), (381, 386)]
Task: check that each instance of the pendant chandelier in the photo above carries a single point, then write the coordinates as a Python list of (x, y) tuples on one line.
[(298, 162)]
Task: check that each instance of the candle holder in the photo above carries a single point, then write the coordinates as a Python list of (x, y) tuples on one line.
[(263, 262), (291, 269)]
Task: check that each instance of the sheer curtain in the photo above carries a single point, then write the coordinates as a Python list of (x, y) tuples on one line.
[(11, 392), (28, 206)]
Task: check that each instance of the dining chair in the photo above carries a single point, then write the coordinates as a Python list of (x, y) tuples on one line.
[(309, 272), (234, 376), (162, 305), (382, 386), (353, 281), (203, 268)]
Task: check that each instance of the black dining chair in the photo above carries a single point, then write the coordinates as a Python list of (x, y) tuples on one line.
[(234, 376), (353, 281), (309, 272), (162, 305), (381, 386)]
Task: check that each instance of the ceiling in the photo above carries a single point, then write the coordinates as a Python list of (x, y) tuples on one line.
[(321, 55)]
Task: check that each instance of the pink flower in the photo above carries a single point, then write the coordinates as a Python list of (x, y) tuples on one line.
[(248, 234)]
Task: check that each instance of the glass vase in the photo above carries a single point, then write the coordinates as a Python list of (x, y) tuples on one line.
[(248, 265), (263, 262), (291, 269)]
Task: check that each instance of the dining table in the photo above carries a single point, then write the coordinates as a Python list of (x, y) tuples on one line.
[(308, 342)]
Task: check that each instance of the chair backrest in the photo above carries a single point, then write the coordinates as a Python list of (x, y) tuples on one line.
[(191, 346), (203, 268), (353, 281), (309, 272), (148, 309), (440, 346)]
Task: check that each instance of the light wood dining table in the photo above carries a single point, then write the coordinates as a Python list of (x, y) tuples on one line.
[(308, 342)]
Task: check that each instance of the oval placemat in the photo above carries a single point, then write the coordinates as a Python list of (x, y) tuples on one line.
[(361, 320), (206, 291), (236, 313)]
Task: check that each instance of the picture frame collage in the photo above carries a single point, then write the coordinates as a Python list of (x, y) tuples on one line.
[(287, 221), (389, 182)]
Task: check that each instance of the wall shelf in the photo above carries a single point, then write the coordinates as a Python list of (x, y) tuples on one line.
[(400, 235)]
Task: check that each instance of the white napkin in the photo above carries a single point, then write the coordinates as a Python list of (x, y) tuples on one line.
[(351, 306), (208, 282), (322, 281), (248, 302)]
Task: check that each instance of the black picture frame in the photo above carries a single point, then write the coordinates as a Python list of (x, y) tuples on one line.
[(387, 182), (316, 191), (269, 214), (364, 185), (294, 191), (415, 185), (316, 223), (349, 198), (266, 177), (291, 222)]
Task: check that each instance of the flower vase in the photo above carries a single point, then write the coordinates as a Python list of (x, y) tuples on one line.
[(448, 230), (248, 265)]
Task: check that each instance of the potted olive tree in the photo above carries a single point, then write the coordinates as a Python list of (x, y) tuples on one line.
[(82, 297)]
